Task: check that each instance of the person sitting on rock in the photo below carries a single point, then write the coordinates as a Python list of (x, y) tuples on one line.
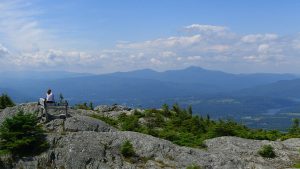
[(49, 98)]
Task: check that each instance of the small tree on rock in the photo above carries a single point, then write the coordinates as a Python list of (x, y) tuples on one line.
[(61, 98), (21, 135), (267, 151), (5, 101), (127, 149)]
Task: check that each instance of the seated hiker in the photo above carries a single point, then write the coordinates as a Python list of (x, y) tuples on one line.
[(49, 98)]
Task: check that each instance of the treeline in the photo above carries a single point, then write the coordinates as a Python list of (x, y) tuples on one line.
[(5, 101), (183, 128)]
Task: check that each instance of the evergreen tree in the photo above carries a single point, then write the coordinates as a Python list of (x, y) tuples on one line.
[(176, 108), (5, 101), (61, 98), (91, 106), (295, 126), (21, 135), (165, 109), (190, 110), (127, 149)]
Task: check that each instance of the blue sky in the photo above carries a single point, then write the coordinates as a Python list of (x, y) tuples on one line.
[(105, 36)]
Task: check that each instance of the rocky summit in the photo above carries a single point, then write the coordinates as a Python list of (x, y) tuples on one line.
[(82, 142)]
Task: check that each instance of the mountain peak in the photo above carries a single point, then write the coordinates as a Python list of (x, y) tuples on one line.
[(194, 68)]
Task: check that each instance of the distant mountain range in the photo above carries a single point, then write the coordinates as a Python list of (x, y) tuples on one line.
[(282, 88), (197, 75), (135, 85), (210, 92)]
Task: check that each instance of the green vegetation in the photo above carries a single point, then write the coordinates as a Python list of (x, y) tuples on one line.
[(179, 126), (297, 165), (21, 135), (107, 120), (293, 131), (84, 106), (267, 151), (127, 149), (5, 101)]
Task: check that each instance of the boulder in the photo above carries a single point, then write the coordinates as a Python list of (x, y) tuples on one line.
[(26, 108), (84, 123), (114, 107)]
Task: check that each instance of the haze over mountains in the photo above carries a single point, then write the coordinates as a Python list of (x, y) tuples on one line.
[(211, 92), (192, 81)]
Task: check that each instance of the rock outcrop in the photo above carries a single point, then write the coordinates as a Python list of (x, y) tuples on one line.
[(80, 142), (114, 107)]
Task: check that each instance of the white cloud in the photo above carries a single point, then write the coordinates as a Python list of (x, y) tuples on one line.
[(263, 48), (3, 51), (218, 48), (51, 59), (30, 46), (163, 43), (194, 58), (21, 27), (205, 28), (167, 54), (155, 61), (259, 38)]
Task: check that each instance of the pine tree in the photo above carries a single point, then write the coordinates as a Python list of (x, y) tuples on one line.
[(5, 101), (295, 126), (176, 108), (61, 98), (165, 109), (21, 135), (190, 110), (91, 106)]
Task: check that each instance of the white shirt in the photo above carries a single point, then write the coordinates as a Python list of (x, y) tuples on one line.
[(50, 97)]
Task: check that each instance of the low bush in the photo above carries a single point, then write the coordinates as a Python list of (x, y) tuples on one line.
[(129, 123), (127, 149), (84, 106), (297, 165), (267, 151), (107, 120)]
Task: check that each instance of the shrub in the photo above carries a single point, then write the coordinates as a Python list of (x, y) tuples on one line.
[(107, 120), (84, 106), (267, 151), (166, 110), (176, 108), (5, 101), (297, 165), (295, 127), (138, 113), (21, 135), (127, 149), (129, 123)]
